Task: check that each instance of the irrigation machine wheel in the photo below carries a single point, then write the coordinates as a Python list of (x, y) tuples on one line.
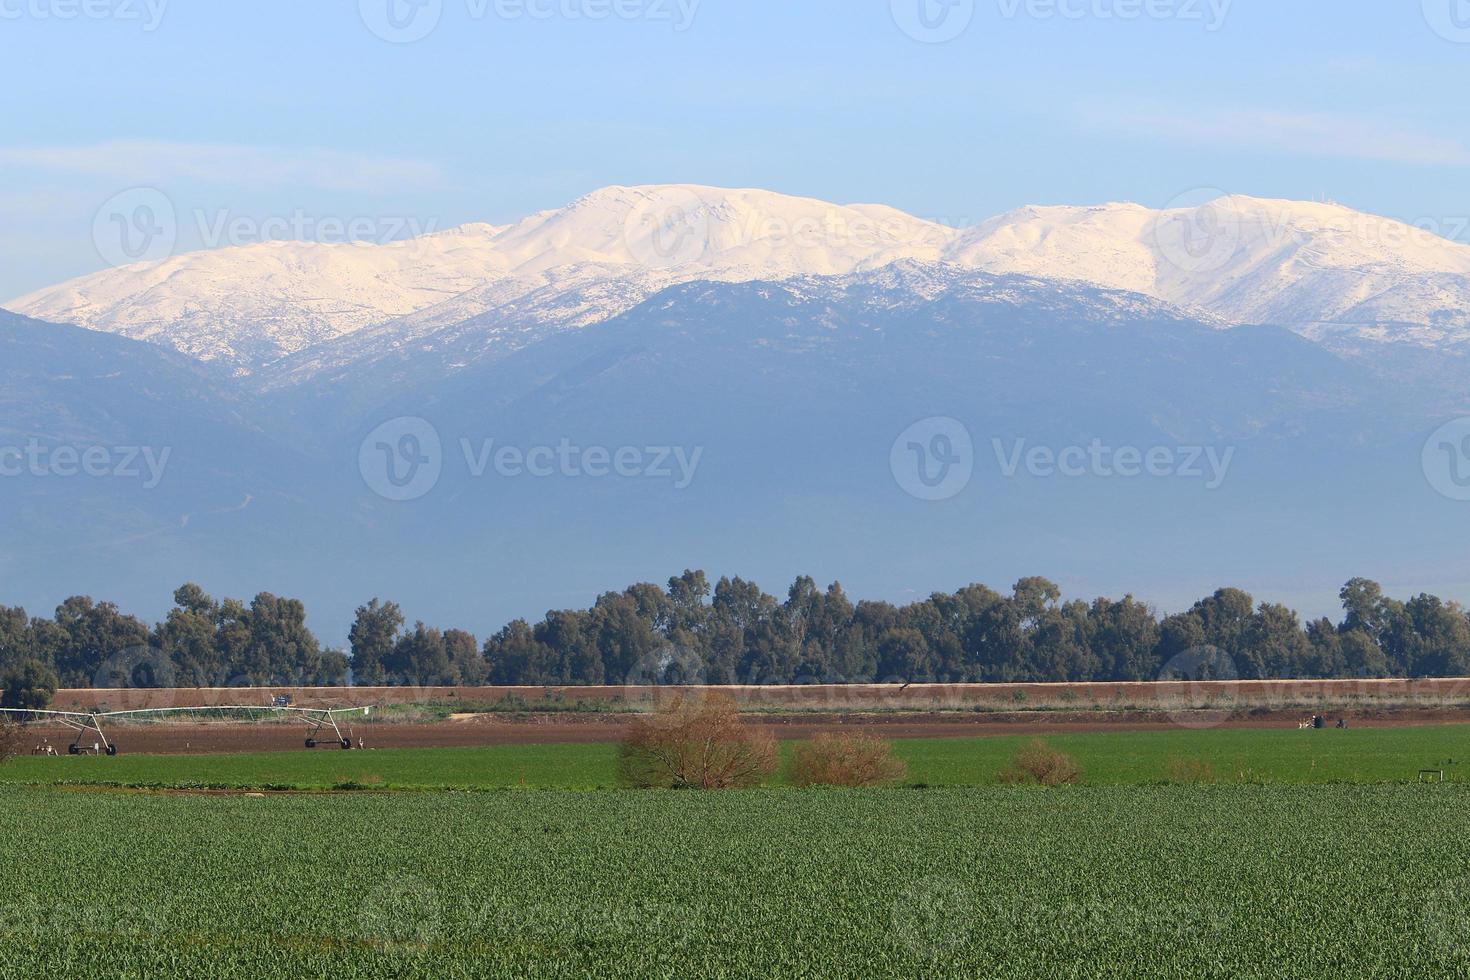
[(347, 743), (112, 749), (311, 743)]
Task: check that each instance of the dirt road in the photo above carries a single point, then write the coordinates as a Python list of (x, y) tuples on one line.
[(504, 728)]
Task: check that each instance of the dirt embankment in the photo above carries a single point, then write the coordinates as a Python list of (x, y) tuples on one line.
[(505, 728), (1437, 693)]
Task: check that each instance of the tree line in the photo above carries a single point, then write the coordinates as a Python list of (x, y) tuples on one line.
[(735, 633)]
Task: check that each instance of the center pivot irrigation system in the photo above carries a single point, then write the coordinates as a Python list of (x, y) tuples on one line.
[(90, 739)]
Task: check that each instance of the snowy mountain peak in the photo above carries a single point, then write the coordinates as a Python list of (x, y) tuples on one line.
[(250, 304), (742, 233), (1325, 270)]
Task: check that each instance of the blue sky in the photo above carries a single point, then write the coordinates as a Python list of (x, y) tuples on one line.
[(298, 111)]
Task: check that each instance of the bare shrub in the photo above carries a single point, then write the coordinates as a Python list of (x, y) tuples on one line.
[(696, 743), (846, 760), (1190, 771), (1039, 763)]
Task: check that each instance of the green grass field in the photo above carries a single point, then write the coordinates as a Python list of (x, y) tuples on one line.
[(1108, 881), (1306, 854), (1236, 756)]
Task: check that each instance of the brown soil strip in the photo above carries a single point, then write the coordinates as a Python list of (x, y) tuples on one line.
[(540, 729)]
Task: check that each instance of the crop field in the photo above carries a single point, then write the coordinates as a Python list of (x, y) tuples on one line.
[(1119, 758), (1226, 881), (1210, 853)]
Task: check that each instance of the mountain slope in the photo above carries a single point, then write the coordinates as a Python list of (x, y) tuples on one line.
[(249, 305), (124, 463), (293, 312), (793, 393), (1321, 269), (790, 395), (60, 383)]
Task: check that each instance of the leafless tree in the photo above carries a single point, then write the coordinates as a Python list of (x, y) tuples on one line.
[(846, 760), (696, 743)]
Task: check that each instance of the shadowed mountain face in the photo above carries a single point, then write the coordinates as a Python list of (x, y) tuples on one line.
[(904, 430), (122, 463)]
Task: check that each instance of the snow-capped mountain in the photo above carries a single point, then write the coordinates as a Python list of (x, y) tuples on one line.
[(790, 393), (254, 304), (250, 305), (292, 311), (1322, 270)]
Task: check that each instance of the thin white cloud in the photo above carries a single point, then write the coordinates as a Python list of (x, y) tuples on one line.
[(136, 161), (1308, 134)]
